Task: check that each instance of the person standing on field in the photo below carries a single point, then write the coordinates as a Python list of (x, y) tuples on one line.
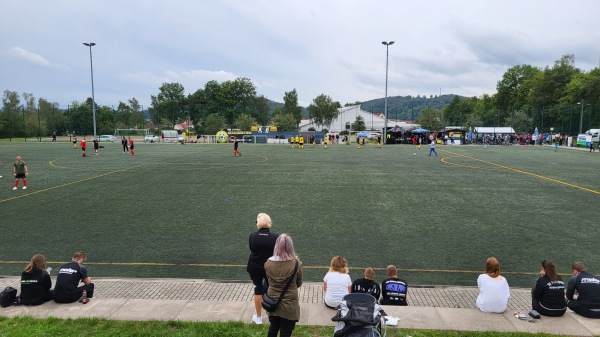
[(83, 146), (124, 143), (432, 147), (21, 172), (131, 146), (235, 147), (95, 146)]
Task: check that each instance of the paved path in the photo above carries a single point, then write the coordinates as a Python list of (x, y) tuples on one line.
[(450, 308)]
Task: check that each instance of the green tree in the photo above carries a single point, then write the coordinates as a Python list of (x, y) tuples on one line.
[(323, 110), (430, 119), (169, 103), (213, 124), (10, 109), (244, 122), (238, 97), (513, 89), (519, 121), (262, 111), (105, 120), (123, 116), (54, 118), (359, 124), (285, 122), (290, 105), (137, 116)]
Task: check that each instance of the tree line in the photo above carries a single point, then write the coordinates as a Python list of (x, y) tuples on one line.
[(561, 97)]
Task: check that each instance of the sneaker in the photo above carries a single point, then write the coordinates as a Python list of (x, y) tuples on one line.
[(14, 188), (24, 187), (256, 319)]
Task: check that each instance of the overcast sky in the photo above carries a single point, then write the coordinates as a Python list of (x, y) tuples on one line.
[(315, 46)]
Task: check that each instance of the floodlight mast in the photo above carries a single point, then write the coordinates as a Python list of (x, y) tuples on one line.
[(91, 44), (385, 116)]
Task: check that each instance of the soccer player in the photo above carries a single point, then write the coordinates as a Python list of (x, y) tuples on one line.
[(432, 147), (325, 141), (95, 146), (83, 146), (235, 148), (131, 146), (292, 140), (21, 172), (124, 144), (301, 142)]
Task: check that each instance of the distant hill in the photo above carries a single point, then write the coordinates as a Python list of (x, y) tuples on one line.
[(399, 107), (406, 107)]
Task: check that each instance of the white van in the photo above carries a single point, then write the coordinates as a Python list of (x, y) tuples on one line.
[(594, 133)]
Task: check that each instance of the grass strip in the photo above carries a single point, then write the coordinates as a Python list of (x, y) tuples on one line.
[(30, 326)]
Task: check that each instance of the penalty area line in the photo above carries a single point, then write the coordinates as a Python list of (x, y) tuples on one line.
[(508, 168)]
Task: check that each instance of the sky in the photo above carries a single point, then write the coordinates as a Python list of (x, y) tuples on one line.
[(331, 47)]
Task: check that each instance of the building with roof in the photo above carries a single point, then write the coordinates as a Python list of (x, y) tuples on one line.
[(347, 117)]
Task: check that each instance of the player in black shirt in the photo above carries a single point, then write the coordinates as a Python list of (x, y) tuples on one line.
[(67, 289)]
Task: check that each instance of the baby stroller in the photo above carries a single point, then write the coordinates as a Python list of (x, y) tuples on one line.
[(359, 316)]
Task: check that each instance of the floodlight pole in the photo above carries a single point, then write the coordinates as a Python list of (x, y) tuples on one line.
[(91, 44), (581, 117), (387, 53)]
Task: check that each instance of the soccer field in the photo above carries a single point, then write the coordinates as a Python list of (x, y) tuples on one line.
[(185, 211)]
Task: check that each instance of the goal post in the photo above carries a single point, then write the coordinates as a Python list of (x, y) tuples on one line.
[(131, 133)]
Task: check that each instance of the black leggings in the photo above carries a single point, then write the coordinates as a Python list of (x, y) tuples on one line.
[(583, 310), (281, 325), (547, 312)]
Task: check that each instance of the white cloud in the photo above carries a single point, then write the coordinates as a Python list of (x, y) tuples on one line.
[(316, 47), (32, 58), (20, 53)]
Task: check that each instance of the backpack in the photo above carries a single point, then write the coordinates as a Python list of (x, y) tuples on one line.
[(8, 297)]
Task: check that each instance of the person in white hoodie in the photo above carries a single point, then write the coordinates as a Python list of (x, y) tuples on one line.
[(493, 288)]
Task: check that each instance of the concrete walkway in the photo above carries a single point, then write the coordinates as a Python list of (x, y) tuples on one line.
[(448, 308)]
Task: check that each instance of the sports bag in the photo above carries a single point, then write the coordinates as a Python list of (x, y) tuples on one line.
[(8, 297)]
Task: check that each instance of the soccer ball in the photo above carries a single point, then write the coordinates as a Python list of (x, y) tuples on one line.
[(414, 154)]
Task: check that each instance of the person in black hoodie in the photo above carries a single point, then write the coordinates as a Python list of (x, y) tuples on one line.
[(262, 243), (587, 288), (548, 295), (36, 282), (367, 284)]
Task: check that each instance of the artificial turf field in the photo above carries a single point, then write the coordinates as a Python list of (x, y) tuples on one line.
[(185, 211)]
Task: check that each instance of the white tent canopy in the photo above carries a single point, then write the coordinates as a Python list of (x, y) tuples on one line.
[(491, 129)]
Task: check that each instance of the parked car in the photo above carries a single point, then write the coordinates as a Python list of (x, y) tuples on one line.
[(150, 139), (108, 138)]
